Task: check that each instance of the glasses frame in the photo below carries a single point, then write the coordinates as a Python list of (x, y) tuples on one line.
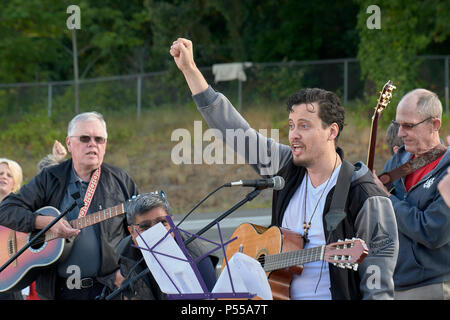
[(142, 229), (97, 139), (409, 126)]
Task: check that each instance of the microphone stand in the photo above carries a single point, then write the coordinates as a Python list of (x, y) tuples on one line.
[(125, 284), (76, 196), (248, 197)]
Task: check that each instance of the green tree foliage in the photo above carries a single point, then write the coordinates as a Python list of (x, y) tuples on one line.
[(122, 37), (407, 29), (300, 30), (30, 40), (37, 46), (133, 36)]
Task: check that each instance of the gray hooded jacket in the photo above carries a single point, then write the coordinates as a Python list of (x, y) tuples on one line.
[(375, 219)]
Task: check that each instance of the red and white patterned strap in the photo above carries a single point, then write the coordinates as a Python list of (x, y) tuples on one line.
[(90, 192)]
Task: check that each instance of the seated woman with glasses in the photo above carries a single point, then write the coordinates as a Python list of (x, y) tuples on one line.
[(143, 212)]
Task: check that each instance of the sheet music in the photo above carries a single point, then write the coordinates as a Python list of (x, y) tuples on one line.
[(247, 276), (246, 273), (179, 271)]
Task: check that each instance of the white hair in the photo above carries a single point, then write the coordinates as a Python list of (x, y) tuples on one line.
[(83, 117), (428, 103)]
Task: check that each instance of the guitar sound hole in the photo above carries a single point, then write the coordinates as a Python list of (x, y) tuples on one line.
[(39, 241), (262, 260)]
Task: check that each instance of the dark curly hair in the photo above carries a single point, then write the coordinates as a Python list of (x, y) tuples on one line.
[(330, 108)]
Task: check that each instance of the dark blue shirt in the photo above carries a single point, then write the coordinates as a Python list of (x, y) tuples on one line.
[(85, 253)]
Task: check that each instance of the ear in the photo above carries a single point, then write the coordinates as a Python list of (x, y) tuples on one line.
[(130, 229), (334, 131), (69, 147), (437, 124)]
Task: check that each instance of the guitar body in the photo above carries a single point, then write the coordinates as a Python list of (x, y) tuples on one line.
[(257, 241), (23, 271)]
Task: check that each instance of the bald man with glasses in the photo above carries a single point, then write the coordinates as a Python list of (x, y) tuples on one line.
[(101, 186), (423, 218)]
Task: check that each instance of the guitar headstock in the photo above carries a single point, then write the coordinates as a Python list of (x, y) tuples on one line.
[(385, 96), (347, 253)]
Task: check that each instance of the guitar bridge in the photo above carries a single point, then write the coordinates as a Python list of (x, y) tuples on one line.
[(12, 246)]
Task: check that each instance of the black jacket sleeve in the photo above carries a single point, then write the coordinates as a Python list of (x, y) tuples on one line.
[(17, 211)]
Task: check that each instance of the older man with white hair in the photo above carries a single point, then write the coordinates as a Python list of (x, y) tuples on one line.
[(94, 248), (423, 218)]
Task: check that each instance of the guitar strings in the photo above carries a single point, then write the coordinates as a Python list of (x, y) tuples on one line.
[(83, 222), (290, 258)]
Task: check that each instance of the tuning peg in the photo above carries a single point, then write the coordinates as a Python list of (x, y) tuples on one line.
[(355, 267), (348, 266)]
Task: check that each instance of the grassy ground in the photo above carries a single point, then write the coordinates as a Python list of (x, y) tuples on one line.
[(143, 148)]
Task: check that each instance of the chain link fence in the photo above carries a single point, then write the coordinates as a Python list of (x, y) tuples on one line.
[(146, 157), (266, 82)]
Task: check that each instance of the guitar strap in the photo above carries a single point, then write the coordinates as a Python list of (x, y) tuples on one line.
[(90, 192), (412, 165), (337, 213)]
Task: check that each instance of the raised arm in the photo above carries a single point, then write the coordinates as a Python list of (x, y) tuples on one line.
[(264, 154), (183, 55)]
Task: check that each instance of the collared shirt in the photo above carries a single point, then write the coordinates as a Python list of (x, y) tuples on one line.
[(85, 253), (414, 177)]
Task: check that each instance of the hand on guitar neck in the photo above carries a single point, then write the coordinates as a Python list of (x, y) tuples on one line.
[(62, 229), (379, 183)]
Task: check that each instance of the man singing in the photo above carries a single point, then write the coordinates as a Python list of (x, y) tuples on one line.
[(311, 167)]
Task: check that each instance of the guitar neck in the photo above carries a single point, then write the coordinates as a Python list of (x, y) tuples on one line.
[(372, 142), (293, 258), (92, 219)]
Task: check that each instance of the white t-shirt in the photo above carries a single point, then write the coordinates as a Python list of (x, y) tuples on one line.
[(303, 286)]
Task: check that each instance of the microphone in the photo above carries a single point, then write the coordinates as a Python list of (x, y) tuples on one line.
[(277, 183)]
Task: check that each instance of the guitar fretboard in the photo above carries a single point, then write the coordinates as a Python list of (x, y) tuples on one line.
[(292, 258), (92, 219)]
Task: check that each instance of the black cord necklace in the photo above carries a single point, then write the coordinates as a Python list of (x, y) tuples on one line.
[(307, 226)]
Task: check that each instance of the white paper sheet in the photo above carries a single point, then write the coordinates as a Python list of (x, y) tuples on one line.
[(247, 275), (179, 271)]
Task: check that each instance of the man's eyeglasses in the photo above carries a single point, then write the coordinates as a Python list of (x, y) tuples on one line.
[(143, 226), (87, 139), (409, 126)]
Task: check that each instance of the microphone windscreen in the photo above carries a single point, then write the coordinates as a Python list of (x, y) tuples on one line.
[(278, 183)]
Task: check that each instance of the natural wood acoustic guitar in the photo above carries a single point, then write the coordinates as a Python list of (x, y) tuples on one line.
[(47, 250), (281, 254)]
